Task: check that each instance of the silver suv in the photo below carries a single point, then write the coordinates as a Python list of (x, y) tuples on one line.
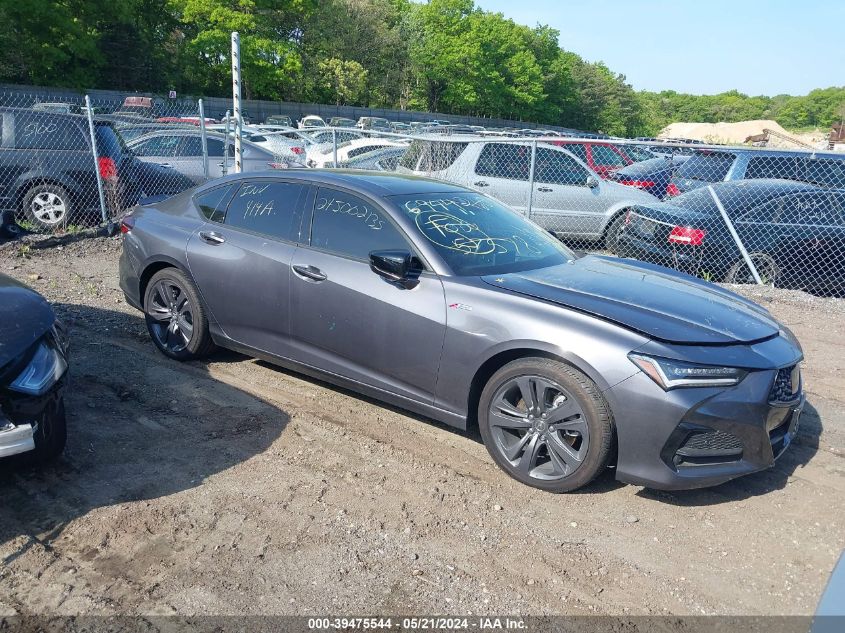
[(568, 199)]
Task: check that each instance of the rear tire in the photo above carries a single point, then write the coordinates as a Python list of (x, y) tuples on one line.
[(560, 440), (766, 267), (175, 316), (47, 206)]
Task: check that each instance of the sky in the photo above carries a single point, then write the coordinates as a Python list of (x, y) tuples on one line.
[(759, 47)]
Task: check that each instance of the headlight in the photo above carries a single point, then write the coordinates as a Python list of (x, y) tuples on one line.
[(670, 374), (47, 366)]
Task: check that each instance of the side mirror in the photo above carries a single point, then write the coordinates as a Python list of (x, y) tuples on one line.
[(592, 182), (393, 265)]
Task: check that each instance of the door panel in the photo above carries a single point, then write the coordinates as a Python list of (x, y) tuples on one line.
[(356, 324), (243, 271)]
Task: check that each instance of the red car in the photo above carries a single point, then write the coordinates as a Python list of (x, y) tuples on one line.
[(602, 158)]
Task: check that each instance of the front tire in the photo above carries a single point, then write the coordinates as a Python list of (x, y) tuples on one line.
[(50, 436), (175, 316), (546, 424)]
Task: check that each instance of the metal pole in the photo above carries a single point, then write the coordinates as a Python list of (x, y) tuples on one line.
[(90, 112), (226, 146), (236, 100), (735, 235), (334, 148), (204, 140), (531, 179)]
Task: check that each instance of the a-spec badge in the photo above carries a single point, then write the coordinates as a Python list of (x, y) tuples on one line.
[(460, 306)]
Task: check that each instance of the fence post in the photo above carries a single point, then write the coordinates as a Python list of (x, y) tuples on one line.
[(204, 140), (334, 148), (90, 112), (226, 146), (735, 236), (531, 179), (236, 99)]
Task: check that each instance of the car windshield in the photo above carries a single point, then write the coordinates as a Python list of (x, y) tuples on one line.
[(477, 235), (707, 166)]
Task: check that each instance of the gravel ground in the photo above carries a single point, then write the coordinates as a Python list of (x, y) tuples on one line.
[(233, 487)]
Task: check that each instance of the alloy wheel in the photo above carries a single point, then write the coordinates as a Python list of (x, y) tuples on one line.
[(48, 208), (172, 315), (539, 428)]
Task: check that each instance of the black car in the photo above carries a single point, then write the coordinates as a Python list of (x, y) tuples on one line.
[(33, 368), (653, 175), (48, 175), (793, 232)]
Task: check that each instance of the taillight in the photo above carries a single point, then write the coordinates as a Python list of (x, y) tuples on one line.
[(639, 184), (127, 224), (672, 190), (297, 150), (108, 168), (687, 235)]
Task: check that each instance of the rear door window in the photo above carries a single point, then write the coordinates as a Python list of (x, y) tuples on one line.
[(212, 204), (827, 172), (268, 207), (163, 146), (707, 166), (504, 160)]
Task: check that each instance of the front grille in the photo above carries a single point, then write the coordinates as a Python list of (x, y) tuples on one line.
[(787, 384), (712, 441)]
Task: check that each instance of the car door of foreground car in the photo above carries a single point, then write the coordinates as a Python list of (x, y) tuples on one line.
[(350, 321), (240, 259), (563, 200)]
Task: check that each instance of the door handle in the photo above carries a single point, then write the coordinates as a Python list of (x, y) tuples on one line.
[(545, 189), (480, 183), (167, 165), (221, 164), (311, 273), (211, 237)]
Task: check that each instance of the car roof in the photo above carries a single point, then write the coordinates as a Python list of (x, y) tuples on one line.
[(373, 183), (768, 152), (743, 192)]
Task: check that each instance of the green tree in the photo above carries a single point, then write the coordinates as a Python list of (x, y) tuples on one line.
[(344, 81)]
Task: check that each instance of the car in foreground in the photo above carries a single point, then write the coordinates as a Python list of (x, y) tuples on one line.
[(443, 301), (33, 373), (794, 233), (568, 198)]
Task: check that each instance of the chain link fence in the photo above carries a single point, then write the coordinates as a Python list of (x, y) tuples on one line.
[(724, 214)]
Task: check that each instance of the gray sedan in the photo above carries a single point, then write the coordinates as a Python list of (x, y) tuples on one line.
[(443, 301)]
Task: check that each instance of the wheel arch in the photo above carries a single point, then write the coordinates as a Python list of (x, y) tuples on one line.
[(500, 358), (151, 267)]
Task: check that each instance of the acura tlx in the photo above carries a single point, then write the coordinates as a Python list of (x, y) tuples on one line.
[(443, 301)]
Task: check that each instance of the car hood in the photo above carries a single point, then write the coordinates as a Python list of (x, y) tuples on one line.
[(24, 317), (655, 301)]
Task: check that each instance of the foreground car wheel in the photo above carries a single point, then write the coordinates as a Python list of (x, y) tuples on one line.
[(47, 206), (175, 317), (545, 424), (50, 436)]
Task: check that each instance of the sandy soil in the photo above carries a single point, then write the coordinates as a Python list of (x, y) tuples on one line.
[(232, 487)]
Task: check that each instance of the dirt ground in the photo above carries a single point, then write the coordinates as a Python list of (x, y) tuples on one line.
[(233, 487)]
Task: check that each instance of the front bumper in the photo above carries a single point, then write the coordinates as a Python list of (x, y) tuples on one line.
[(699, 437), (21, 414)]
